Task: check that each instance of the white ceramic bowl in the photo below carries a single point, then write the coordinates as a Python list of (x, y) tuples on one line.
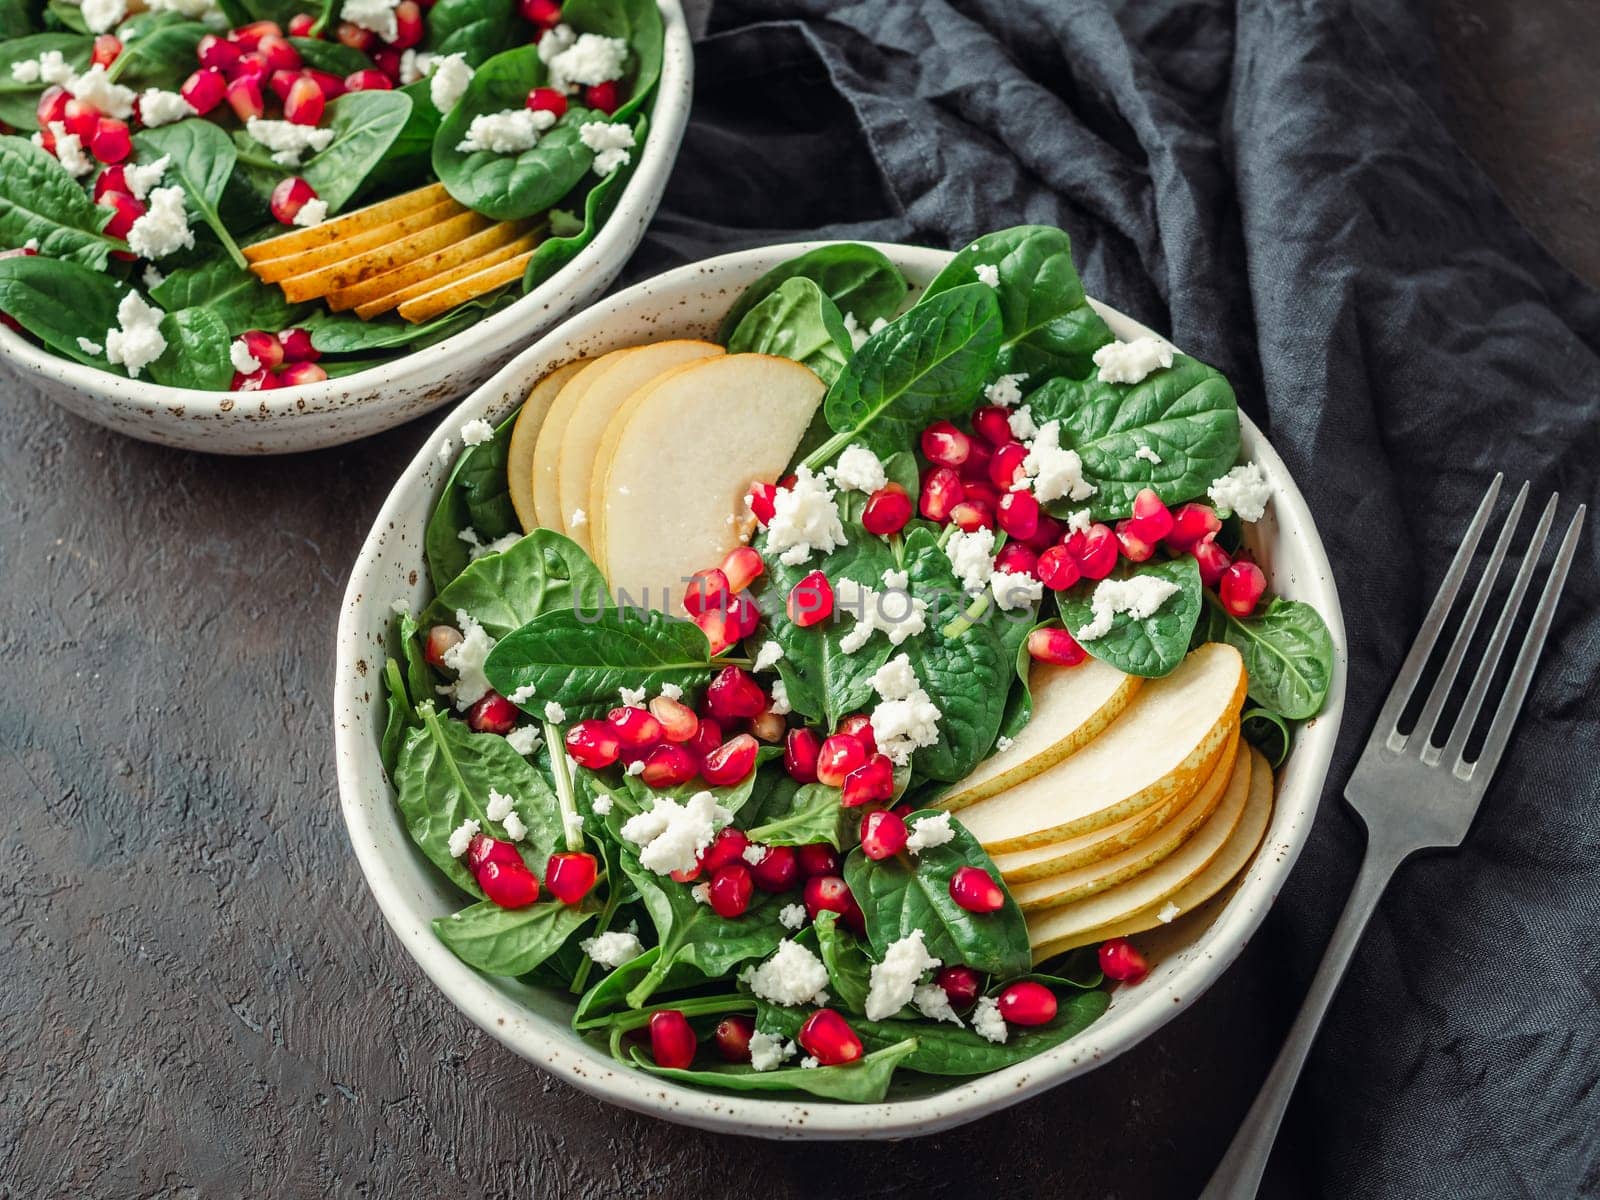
[(356, 406), (1187, 957)]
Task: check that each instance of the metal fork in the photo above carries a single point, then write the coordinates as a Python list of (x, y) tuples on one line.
[(1411, 793)]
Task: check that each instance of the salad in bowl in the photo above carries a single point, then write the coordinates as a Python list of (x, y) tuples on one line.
[(839, 704)]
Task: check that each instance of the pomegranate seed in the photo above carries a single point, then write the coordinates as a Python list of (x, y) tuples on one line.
[(111, 179), (975, 890), (719, 630), (1120, 961), (944, 445), (1241, 588), (668, 766), (811, 600), (742, 567), (297, 346), (840, 755), (760, 499), (941, 492), (688, 876), (218, 52), (106, 48), (1213, 560), (859, 726), (244, 97), (249, 36), (204, 90), (279, 83), (1057, 569), (492, 714), (826, 893), (731, 762), (301, 25), (125, 210), (769, 727), (707, 737), (603, 96), (1192, 523), (257, 381), (1154, 517), (508, 886), (289, 197), (972, 515), (263, 347), (725, 849), (743, 616), (279, 53), (883, 835), (1017, 559), (408, 25), (1050, 645), (387, 59), (976, 468), (112, 142), (332, 85), (368, 81), (733, 695), (570, 875), (304, 103), (982, 490), (870, 783), (1048, 533), (672, 1041), (800, 755), (1005, 468), (1095, 551), (1135, 548), (993, 423), (1028, 1003), (828, 1038), (887, 510), (778, 871), (961, 985), (301, 372), (1018, 514), (678, 722), (544, 13), (732, 1037), (483, 850), (818, 858), (543, 99), (52, 106), (594, 744), (355, 37), (730, 891), (250, 66), (636, 729), (82, 119)]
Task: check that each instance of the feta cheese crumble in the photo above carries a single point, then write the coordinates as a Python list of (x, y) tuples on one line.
[(1168, 914), (1130, 362), (499, 805), (933, 1002), (1140, 597), (779, 705), (579, 517), (97, 89), (611, 950), (1013, 589), (508, 132), (523, 694), (793, 975), (69, 150), (906, 716), (971, 557), (767, 657), (141, 177), (415, 65), (631, 697), (1149, 455), (612, 143), (894, 610), (590, 59), (792, 916), (1080, 522), (164, 227), (928, 832), (138, 341), (602, 804), (1021, 423), (466, 659), (987, 1022), (448, 79), (858, 470), (987, 274), (243, 361), (163, 108), (805, 519), (1003, 743), (768, 1051), (288, 141), (1243, 491), (476, 432), (1005, 391), (375, 15), (554, 713), (89, 347), (858, 335), (461, 837), (312, 213), (515, 829), (894, 980), (670, 835), (1056, 473), (672, 691), (524, 739)]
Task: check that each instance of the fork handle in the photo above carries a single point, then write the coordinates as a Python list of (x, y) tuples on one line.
[(1238, 1175)]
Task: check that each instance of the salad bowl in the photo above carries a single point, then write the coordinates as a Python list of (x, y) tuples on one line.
[(1185, 957)]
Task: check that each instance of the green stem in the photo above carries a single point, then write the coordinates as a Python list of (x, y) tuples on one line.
[(823, 453), (698, 1006), (580, 977), (969, 618), (571, 819)]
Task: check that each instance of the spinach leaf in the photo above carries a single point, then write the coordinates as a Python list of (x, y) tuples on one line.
[(543, 572), (815, 815), (906, 893), (1013, 635), (637, 22), (858, 279), (420, 677), (158, 50), (505, 941), (1268, 732), (944, 1049), (865, 1081), (797, 321), (733, 796), (40, 201), (16, 21), (605, 999), (398, 719), (335, 57), (67, 16), (365, 125), (475, 497), (925, 364), (1050, 329), (58, 302), (478, 29), (410, 155), (232, 294), (202, 160), (509, 187), (1186, 414), (556, 251), (772, 796), (197, 352), (19, 101), (346, 333), (849, 968), (1151, 647), (579, 660), (1287, 650)]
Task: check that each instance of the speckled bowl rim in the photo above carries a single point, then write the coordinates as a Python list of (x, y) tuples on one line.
[(1179, 977), (622, 231)]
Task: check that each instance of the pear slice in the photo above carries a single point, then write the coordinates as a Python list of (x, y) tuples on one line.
[(1208, 860), (524, 434), (547, 448), (586, 425), (1071, 706), (1161, 746), (1019, 866), (1053, 891), (690, 443)]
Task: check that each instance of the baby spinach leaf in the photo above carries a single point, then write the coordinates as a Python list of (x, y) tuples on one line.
[(39, 201), (398, 719), (557, 250), (637, 22), (797, 321), (1050, 329), (600, 1004), (16, 20), (346, 333), (478, 29), (906, 893), (733, 796), (410, 155), (1150, 647), (849, 968), (772, 796), (19, 100), (59, 302), (1287, 650), (197, 351), (365, 125), (543, 572), (67, 16), (858, 279), (1186, 414), (1014, 647), (234, 295), (579, 660), (506, 941), (158, 50), (335, 57), (420, 677), (815, 815), (202, 160), (865, 1081), (925, 364), (1268, 732), (475, 498)]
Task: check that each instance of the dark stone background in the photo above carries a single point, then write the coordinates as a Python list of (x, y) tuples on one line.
[(198, 998)]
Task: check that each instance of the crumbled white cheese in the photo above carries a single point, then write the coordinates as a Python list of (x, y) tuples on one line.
[(805, 519), (510, 131), (151, 276), (670, 835), (602, 804), (1013, 589), (1139, 596), (96, 89), (579, 517), (1243, 491), (636, 768), (1005, 391), (1055, 473), (243, 361), (288, 141), (102, 16), (971, 557), (858, 470), (140, 178), (499, 805), (701, 893), (446, 449), (928, 832), (793, 975), (894, 610), (858, 335), (894, 980), (1003, 743), (792, 916), (591, 59), (933, 1002), (779, 705), (69, 150), (164, 227), (906, 716), (755, 854), (1130, 362), (572, 823), (515, 829), (466, 659), (415, 65), (449, 77), (810, 1062), (138, 341), (767, 657), (1169, 913), (631, 697), (611, 143), (1021, 423), (987, 1022), (51, 67), (376, 15), (163, 108), (768, 1051), (524, 739), (1080, 522), (611, 950), (205, 11), (89, 347), (523, 694), (476, 432), (987, 273), (312, 213), (555, 41), (461, 837), (554, 713), (672, 691), (1149, 455)]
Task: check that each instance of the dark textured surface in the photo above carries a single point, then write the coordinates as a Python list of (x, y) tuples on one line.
[(200, 999)]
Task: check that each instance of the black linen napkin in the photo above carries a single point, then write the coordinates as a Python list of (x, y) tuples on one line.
[(1268, 182)]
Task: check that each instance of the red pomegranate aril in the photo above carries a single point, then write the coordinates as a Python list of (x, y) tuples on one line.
[(299, 373), (52, 106), (706, 591), (1119, 960), (859, 726), (761, 500), (388, 60), (992, 422), (355, 37), (800, 754), (544, 99), (731, 762), (112, 143), (672, 1041), (279, 83), (1052, 645), (976, 468), (840, 755), (304, 103), (1135, 547), (289, 197), (218, 52), (730, 891), (828, 1038), (941, 492), (370, 80), (301, 25), (732, 1037), (668, 766), (1241, 588), (204, 90), (297, 346), (826, 893), (1057, 569), (733, 695), (678, 722), (1213, 559), (972, 515), (593, 744), (961, 985), (603, 96), (883, 835), (1154, 518), (1016, 559), (1005, 468), (408, 25), (719, 630), (483, 850), (106, 48), (887, 510), (244, 97), (249, 36), (492, 714), (975, 890), (743, 616), (332, 85), (778, 871), (743, 566), (249, 66), (769, 727), (1018, 514), (544, 13), (570, 875), (1028, 1003), (1047, 533), (125, 210), (707, 737), (811, 600), (818, 858), (508, 886), (944, 445), (82, 119), (279, 53), (1190, 524), (726, 848), (688, 876), (636, 729), (1096, 550), (111, 179), (871, 783), (257, 381), (263, 347)]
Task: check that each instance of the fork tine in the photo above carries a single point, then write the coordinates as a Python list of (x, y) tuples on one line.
[(1387, 726), (1473, 705), (1422, 734), (1528, 657)]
